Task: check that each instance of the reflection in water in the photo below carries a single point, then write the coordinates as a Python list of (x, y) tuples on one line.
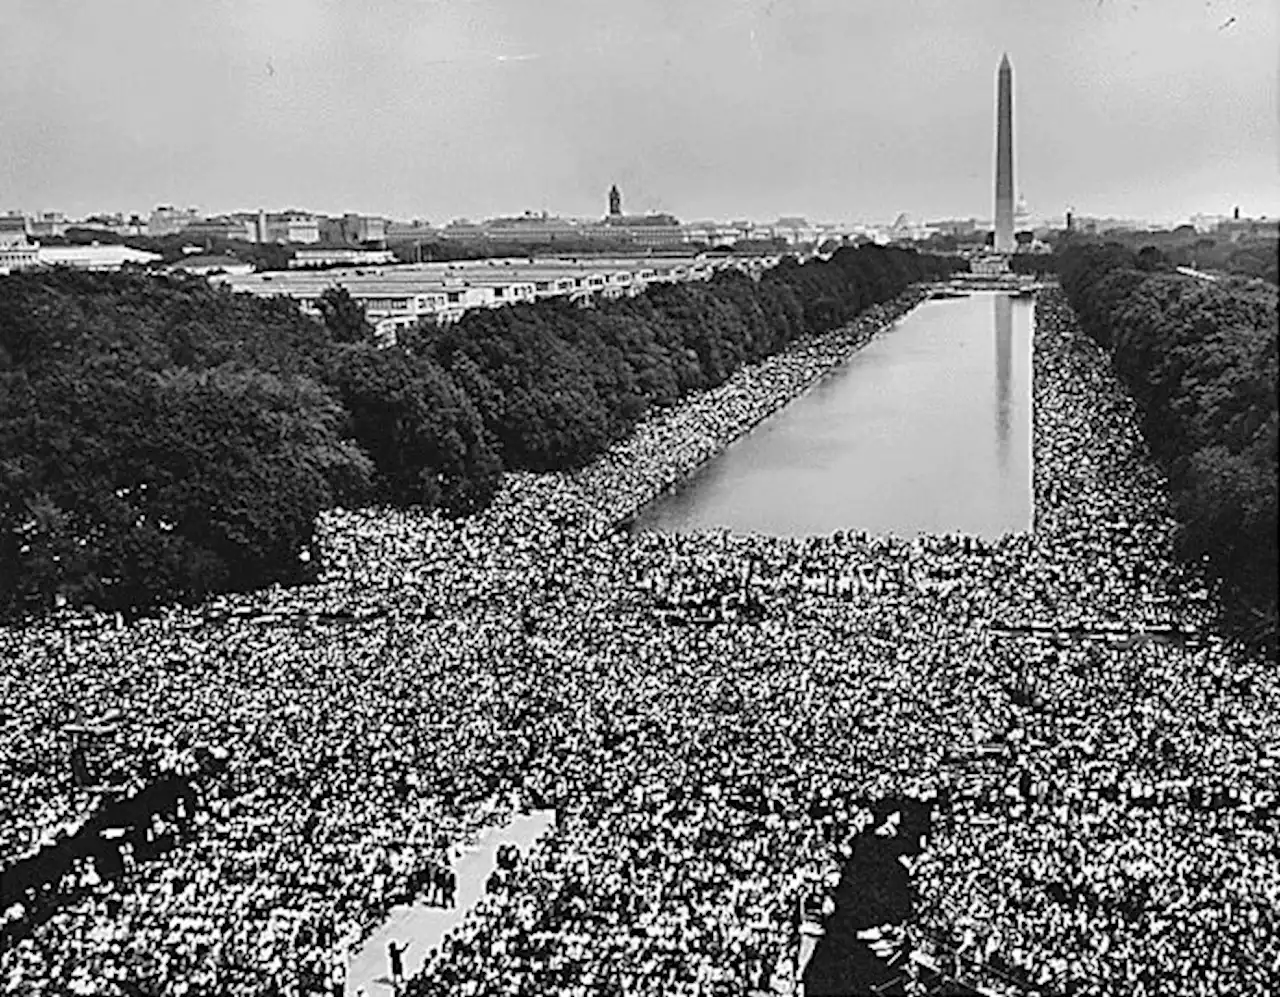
[(901, 439), (1003, 306)]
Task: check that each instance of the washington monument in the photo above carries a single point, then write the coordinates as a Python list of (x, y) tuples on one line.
[(1004, 158)]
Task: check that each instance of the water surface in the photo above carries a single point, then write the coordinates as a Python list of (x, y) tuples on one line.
[(925, 430)]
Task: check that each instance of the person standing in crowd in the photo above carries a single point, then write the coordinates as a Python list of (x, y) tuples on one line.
[(395, 956), (448, 887)]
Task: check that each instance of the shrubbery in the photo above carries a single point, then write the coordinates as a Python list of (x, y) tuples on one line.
[(162, 439), (1200, 359)]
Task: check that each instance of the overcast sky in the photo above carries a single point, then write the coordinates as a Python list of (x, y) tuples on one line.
[(834, 109)]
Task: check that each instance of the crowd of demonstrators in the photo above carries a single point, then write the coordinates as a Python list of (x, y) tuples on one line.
[(1136, 850), (343, 788), (665, 449), (132, 824), (696, 596), (369, 721), (708, 780), (1132, 796)]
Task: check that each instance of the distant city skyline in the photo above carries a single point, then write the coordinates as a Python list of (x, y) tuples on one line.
[(1023, 218), (751, 109)]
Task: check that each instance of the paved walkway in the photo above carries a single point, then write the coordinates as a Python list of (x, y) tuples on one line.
[(1191, 272), (423, 927)]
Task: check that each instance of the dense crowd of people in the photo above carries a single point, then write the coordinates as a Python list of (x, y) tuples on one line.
[(708, 780)]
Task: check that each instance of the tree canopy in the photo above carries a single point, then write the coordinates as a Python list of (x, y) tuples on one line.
[(1200, 358), (163, 439)]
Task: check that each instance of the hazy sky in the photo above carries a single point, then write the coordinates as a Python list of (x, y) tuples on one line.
[(834, 109)]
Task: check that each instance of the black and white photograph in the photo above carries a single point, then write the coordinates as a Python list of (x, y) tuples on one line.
[(639, 498)]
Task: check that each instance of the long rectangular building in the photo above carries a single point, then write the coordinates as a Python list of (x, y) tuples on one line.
[(398, 297)]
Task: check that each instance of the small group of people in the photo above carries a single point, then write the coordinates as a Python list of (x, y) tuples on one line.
[(436, 884), (443, 675)]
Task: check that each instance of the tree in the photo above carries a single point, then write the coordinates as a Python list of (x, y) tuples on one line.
[(343, 316), (161, 439), (1200, 359), (126, 488), (425, 438), (1150, 258)]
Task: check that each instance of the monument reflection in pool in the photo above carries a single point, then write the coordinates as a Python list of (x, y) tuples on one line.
[(1002, 305), (925, 430)]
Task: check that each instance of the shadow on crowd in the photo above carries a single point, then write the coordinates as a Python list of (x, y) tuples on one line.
[(114, 838), (875, 891), (870, 943)]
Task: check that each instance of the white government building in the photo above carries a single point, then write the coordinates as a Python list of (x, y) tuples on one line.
[(399, 297)]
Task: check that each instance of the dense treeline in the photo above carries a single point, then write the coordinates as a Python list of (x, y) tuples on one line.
[(159, 439), (1251, 257), (1259, 259), (1248, 255), (1034, 264), (162, 439), (1200, 359), (555, 384)]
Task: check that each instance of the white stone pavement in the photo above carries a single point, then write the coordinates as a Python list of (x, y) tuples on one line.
[(423, 927)]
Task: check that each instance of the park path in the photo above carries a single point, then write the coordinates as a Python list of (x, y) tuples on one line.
[(423, 927)]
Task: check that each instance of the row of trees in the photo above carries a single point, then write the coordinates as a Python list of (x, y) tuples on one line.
[(555, 384), (1248, 255), (1200, 359), (161, 439)]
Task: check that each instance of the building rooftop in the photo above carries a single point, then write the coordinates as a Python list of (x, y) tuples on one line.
[(205, 260), (94, 255), (641, 221)]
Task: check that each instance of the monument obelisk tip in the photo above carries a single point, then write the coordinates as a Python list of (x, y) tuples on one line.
[(1003, 238)]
